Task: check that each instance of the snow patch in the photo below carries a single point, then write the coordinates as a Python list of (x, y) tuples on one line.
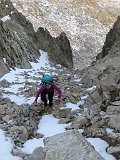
[(6, 18)]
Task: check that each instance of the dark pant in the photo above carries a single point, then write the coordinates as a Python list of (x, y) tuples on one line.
[(50, 97)]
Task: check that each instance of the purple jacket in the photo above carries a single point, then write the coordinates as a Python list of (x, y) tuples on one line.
[(53, 85)]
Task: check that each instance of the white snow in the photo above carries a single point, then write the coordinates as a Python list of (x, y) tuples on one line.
[(14, 88), (71, 105), (4, 59), (4, 19), (77, 80), (83, 97), (91, 88), (17, 35), (18, 99), (48, 126), (100, 146), (31, 144), (6, 148), (109, 130)]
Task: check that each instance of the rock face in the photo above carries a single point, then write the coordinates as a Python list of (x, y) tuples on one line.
[(18, 41), (102, 103), (85, 23), (17, 45), (112, 43), (106, 71), (105, 74), (58, 48), (69, 145)]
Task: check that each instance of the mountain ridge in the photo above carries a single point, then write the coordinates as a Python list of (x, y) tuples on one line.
[(85, 23)]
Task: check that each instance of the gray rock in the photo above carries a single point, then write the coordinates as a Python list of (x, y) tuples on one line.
[(38, 154), (69, 145), (20, 134), (112, 149), (113, 109), (79, 121), (18, 152), (115, 122), (62, 113)]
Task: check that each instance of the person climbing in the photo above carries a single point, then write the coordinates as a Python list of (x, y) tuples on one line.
[(47, 88)]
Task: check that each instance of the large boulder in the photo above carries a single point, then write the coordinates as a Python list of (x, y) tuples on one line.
[(69, 145)]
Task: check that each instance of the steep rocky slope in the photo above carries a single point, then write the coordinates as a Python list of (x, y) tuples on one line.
[(85, 22), (102, 105), (19, 44), (105, 74), (100, 84), (108, 61)]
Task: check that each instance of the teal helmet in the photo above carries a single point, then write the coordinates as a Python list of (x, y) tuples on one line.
[(47, 78)]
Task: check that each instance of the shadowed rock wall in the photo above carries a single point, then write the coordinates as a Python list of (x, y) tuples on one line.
[(112, 43), (58, 48), (18, 41)]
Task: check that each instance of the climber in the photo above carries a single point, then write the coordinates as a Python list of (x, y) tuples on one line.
[(47, 88)]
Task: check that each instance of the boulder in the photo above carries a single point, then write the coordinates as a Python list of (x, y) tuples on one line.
[(114, 122), (38, 154), (69, 145)]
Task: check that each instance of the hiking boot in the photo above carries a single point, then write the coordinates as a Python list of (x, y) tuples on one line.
[(50, 104)]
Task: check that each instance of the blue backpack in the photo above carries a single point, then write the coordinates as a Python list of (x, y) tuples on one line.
[(47, 79)]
